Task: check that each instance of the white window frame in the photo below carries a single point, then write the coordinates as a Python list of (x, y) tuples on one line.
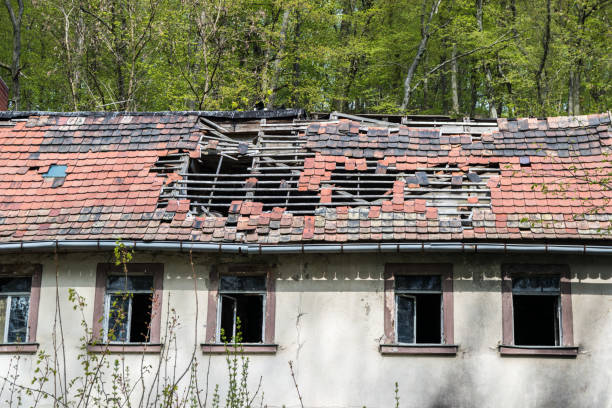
[(229, 293), (9, 298), (107, 299)]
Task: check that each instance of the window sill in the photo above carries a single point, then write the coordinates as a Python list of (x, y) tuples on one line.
[(552, 351), (419, 349), (219, 348), (18, 348), (127, 348)]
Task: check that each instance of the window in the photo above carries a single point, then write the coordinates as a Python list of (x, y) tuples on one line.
[(537, 310), (19, 300), (14, 308), (241, 300), (536, 305), (127, 310), (418, 309), (418, 300)]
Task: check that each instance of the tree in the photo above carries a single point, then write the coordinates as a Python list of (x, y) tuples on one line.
[(15, 67), (469, 57)]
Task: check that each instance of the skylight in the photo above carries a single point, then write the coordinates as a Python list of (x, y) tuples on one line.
[(56, 170)]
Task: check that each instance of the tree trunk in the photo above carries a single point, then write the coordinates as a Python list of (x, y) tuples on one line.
[(545, 45), (15, 67), (277, 58), (573, 99), (486, 68), (425, 33), (296, 63), (473, 93), (454, 90)]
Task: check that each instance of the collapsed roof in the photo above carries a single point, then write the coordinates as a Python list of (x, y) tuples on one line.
[(271, 177)]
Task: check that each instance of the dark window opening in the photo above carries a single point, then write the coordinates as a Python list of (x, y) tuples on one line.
[(419, 309), (420, 316), (242, 318), (429, 322), (141, 317), (536, 320), (128, 308), (242, 300), (536, 308)]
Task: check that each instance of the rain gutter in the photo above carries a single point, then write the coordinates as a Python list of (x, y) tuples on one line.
[(340, 248)]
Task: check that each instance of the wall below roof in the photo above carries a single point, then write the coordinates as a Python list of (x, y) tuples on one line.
[(329, 322)]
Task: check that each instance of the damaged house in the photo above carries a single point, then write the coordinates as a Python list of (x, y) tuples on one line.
[(465, 260)]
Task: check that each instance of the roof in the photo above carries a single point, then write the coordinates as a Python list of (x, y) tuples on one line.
[(271, 177)]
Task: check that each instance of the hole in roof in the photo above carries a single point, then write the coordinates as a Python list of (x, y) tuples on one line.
[(56, 170), (215, 181), (171, 163), (364, 185)]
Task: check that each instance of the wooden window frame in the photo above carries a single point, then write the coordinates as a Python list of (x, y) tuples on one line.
[(103, 271), (212, 345), (508, 348), (35, 271), (390, 345)]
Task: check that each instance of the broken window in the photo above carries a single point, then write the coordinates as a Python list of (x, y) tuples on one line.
[(241, 309), (14, 309), (419, 309), (537, 311), (128, 303)]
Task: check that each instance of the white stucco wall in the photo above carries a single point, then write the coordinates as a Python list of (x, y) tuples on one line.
[(329, 322)]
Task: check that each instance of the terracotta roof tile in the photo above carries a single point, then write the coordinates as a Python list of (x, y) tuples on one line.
[(438, 187)]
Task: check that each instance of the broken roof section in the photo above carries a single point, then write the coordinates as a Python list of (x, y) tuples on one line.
[(277, 177)]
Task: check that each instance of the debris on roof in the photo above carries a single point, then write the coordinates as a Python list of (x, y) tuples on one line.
[(276, 177)]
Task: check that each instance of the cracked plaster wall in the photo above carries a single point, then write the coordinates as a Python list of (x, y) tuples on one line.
[(329, 321)]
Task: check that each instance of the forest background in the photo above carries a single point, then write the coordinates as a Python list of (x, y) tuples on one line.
[(473, 58)]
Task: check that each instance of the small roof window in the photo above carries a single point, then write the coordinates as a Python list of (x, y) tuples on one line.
[(56, 170)]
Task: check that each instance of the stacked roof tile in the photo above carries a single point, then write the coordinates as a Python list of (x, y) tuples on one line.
[(164, 177)]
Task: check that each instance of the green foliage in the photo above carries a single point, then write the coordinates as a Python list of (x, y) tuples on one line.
[(316, 54), (397, 397), (123, 254)]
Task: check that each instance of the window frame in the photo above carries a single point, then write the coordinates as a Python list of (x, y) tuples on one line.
[(212, 344), (566, 348), (107, 299), (390, 345), (99, 343), (35, 272), (222, 293)]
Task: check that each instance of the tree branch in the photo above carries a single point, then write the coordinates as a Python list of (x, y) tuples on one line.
[(465, 54), (84, 10)]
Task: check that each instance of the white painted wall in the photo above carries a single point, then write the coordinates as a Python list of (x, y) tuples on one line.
[(329, 321)]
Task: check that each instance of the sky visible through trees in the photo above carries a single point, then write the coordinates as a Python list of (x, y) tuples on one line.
[(479, 58)]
